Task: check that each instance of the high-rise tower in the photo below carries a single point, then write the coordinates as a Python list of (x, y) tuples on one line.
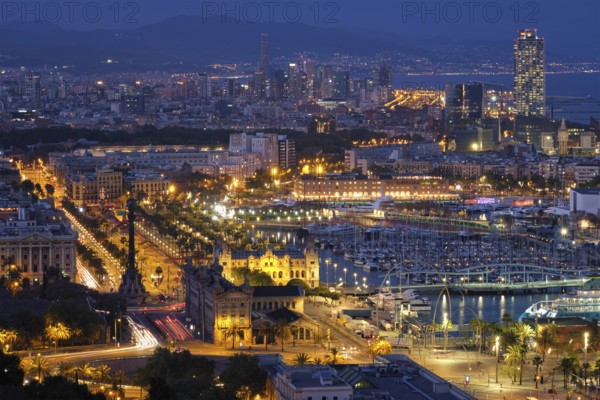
[(529, 78), (264, 53)]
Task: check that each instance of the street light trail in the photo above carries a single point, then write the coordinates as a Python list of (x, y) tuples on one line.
[(86, 277), (143, 339)]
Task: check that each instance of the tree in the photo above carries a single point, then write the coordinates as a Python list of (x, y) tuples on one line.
[(186, 376), (36, 367), (58, 332), (119, 378), (379, 347), (597, 369), (567, 365), (7, 337), (65, 369), (301, 359), (102, 373), (49, 189), (333, 357), (265, 329), (255, 277), (515, 356), (294, 330), (585, 366), (537, 362), (85, 370), (233, 331), (318, 361), (159, 389), (243, 377), (27, 186), (281, 331), (546, 339)]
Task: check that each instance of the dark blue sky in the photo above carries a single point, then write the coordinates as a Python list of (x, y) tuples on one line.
[(569, 26)]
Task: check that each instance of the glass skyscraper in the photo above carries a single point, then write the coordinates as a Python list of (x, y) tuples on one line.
[(529, 78)]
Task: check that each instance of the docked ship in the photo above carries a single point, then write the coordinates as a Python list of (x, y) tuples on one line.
[(584, 303)]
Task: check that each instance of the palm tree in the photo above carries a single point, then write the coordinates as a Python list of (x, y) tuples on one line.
[(233, 331), (567, 365), (301, 359), (585, 366), (333, 357), (537, 361), (65, 369), (546, 339), (294, 329), (58, 332), (85, 370), (379, 347), (523, 331), (120, 377), (597, 369), (7, 336), (515, 355), (103, 373), (475, 324), (265, 329), (37, 367), (318, 361), (282, 331)]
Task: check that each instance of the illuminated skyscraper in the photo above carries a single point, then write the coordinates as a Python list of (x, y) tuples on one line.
[(529, 79)]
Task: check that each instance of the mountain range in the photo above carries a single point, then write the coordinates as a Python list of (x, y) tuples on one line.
[(187, 42)]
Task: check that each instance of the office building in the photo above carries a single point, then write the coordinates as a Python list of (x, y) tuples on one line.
[(529, 78), (32, 90), (341, 85), (464, 106), (204, 88)]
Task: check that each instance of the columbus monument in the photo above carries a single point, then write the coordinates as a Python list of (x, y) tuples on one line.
[(131, 281)]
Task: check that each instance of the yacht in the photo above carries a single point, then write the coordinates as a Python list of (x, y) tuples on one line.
[(584, 303)]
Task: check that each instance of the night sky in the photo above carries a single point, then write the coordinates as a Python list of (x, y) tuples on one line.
[(569, 26)]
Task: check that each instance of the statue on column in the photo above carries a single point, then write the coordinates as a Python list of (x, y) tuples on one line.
[(131, 281)]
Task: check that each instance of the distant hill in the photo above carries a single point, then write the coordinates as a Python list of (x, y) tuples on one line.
[(188, 41)]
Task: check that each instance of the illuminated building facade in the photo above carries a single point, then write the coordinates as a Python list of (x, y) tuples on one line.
[(529, 78), (349, 187), (281, 265), (36, 240), (92, 188), (216, 307)]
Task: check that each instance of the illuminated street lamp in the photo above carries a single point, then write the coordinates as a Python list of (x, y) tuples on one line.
[(497, 347), (355, 282), (586, 336), (335, 273), (119, 321), (345, 279)]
